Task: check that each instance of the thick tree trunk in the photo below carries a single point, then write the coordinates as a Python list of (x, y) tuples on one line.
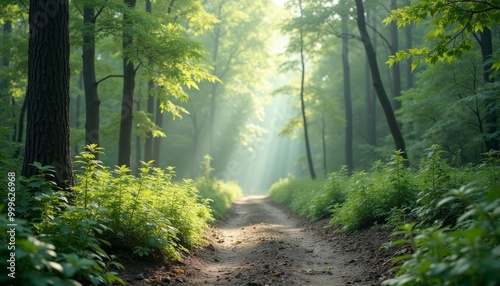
[(347, 96), (124, 144), (48, 127), (491, 117), (377, 81), (302, 102), (92, 102)]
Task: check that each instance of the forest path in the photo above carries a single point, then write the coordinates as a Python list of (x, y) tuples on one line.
[(259, 243)]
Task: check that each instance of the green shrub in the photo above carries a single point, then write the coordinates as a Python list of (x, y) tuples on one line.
[(372, 197), (313, 199), (60, 246), (466, 255), (332, 195), (218, 194), (281, 191), (148, 213)]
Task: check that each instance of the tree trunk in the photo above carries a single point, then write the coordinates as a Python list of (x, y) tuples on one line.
[(302, 102), (20, 125), (215, 85), (148, 145), (491, 117), (4, 82), (377, 82), (157, 140), (347, 96), (48, 127), (138, 145), (396, 70), (323, 142), (124, 144), (409, 45), (92, 102), (371, 96)]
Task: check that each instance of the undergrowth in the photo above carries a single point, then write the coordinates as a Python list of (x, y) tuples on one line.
[(62, 238), (219, 194), (448, 214)]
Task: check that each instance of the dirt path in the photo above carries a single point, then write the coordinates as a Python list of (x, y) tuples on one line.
[(260, 244)]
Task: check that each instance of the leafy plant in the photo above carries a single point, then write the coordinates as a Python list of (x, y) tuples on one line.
[(468, 255)]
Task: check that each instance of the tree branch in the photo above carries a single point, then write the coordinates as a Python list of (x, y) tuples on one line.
[(107, 77)]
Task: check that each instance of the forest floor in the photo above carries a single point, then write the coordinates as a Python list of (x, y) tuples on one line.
[(260, 243)]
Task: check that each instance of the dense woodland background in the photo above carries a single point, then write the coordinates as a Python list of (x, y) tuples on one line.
[(245, 91), (200, 75)]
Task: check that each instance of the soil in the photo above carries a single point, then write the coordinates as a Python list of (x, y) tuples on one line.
[(260, 243)]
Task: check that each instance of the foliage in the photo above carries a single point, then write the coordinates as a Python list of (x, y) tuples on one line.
[(311, 198), (455, 233), (457, 106), (218, 194), (148, 213), (372, 196), (435, 179), (388, 193), (61, 244), (467, 255), (452, 26)]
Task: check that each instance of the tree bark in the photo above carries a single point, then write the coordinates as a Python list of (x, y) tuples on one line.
[(302, 102), (92, 102), (491, 117), (323, 142), (4, 83), (148, 145), (157, 140), (347, 95), (371, 96), (215, 86), (395, 69), (48, 127), (377, 82), (20, 125), (409, 45), (124, 144)]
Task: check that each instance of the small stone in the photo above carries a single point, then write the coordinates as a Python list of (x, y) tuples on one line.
[(139, 276)]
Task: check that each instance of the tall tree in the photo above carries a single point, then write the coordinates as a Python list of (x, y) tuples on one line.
[(148, 146), (377, 81), (48, 129), (409, 45), (92, 102), (491, 118), (347, 92), (302, 102), (124, 143), (371, 96)]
